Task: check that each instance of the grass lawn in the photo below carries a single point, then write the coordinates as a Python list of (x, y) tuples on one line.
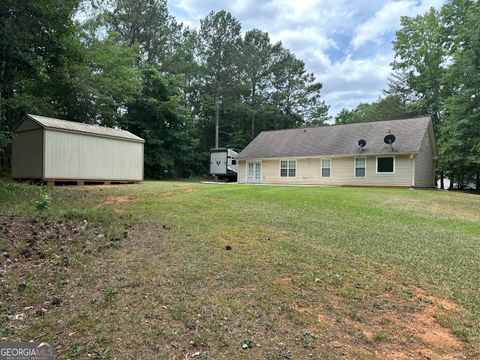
[(187, 270)]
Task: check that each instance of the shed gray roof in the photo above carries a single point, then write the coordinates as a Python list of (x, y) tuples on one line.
[(71, 126), (339, 139)]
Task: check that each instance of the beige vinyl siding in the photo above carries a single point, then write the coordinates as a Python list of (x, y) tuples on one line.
[(424, 164), (27, 155), (342, 172), (241, 171), (87, 157)]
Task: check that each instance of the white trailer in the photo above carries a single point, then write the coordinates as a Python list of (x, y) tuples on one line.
[(223, 163)]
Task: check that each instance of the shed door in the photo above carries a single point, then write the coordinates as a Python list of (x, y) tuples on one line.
[(254, 172)]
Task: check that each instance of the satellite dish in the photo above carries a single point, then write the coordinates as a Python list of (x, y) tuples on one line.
[(389, 139), (362, 143)]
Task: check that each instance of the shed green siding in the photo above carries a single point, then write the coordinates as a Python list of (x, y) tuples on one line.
[(27, 155)]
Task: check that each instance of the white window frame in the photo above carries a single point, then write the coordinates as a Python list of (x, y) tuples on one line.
[(385, 173), (355, 167), (288, 168), (321, 167)]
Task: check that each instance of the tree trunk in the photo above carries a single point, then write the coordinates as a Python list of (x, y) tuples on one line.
[(217, 116), (2, 77), (253, 111), (451, 183), (477, 181), (442, 175), (253, 125)]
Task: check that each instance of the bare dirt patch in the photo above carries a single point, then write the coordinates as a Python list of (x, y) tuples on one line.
[(405, 329), (424, 324), (174, 193), (40, 259), (121, 199)]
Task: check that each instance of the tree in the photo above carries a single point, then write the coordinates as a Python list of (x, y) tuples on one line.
[(33, 35), (112, 80), (161, 118), (296, 93), (460, 149), (398, 86), (258, 56), (219, 48), (420, 55), (148, 25), (390, 107)]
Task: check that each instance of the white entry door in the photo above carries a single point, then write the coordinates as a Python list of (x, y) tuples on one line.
[(254, 172)]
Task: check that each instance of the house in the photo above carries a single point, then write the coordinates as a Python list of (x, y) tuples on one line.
[(53, 150), (357, 154)]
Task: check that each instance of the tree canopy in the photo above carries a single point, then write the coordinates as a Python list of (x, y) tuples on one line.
[(130, 64), (437, 73)]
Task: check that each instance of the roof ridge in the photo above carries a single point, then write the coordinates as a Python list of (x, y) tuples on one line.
[(355, 123), (77, 122), (75, 126)]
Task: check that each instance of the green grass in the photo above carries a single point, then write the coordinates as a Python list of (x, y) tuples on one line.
[(353, 257)]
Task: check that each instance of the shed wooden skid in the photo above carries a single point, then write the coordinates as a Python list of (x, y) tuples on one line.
[(53, 150)]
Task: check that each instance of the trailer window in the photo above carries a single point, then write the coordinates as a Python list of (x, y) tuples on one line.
[(234, 162)]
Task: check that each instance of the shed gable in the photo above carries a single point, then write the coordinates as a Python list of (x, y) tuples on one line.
[(27, 124)]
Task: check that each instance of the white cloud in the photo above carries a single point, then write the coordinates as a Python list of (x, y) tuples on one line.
[(387, 20)]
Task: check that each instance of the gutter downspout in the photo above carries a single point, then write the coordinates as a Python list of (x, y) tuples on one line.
[(413, 170)]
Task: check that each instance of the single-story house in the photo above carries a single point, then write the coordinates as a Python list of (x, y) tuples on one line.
[(381, 153), (53, 150)]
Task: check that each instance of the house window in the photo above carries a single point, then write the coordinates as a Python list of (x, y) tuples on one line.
[(326, 165), (360, 167), (386, 165), (288, 168)]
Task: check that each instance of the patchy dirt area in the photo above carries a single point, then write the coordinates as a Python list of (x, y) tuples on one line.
[(39, 260), (120, 199), (395, 328), (25, 237), (173, 193)]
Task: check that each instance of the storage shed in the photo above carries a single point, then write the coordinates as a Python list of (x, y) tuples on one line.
[(53, 150)]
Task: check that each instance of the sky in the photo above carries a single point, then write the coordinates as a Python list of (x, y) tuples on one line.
[(346, 44)]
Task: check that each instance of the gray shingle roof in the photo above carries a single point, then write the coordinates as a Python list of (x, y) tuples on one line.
[(71, 126), (339, 139)]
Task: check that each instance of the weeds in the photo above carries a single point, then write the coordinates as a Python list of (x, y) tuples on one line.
[(43, 202)]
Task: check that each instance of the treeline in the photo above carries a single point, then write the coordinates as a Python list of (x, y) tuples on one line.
[(129, 63), (437, 73)]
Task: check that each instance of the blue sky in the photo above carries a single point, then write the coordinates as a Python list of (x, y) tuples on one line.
[(347, 44)]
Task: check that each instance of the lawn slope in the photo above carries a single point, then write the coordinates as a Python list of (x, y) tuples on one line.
[(182, 270)]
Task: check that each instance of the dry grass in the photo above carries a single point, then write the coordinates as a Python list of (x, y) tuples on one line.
[(308, 273)]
